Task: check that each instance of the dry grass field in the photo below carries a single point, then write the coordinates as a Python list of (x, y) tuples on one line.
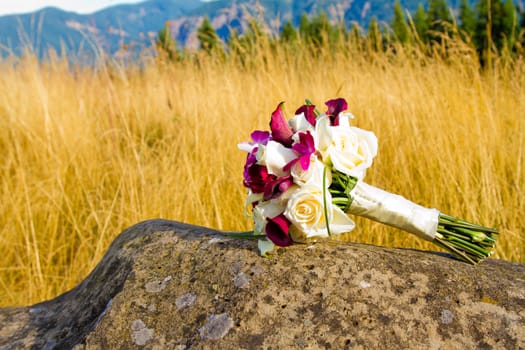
[(87, 152)]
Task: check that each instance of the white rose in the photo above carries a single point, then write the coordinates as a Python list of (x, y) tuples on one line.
[(275, 156), (349, 149), (305, 209), (353, 150), (313, 176)]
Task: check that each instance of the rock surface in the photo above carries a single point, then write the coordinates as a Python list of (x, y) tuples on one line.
[(167, 285)]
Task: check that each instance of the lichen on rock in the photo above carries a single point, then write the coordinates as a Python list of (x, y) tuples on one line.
[(140, 334), (216, 327), (185, 300)]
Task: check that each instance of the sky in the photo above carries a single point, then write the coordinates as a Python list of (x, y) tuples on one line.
[(8, 7)]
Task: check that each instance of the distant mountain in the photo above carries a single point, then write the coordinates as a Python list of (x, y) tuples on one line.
[(110, 29), (135, 26)]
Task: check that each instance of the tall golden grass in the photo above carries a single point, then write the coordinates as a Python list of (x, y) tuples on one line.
[(87, 152)]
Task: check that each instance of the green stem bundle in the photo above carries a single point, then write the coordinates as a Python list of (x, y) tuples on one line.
[(469, 242)]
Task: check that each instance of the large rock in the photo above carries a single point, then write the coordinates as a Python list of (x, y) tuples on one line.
[(167, 285)]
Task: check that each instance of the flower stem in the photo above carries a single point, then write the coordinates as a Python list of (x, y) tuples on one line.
[(469, 242), (316, 111), (324, 203), (340, 189)]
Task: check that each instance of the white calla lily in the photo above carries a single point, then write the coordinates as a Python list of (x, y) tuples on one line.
[(246, 146), (299, 123), (275, 156)]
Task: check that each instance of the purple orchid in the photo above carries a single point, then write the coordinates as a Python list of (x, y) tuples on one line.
[(308, 111), (276, 186), (256, 178), (304, 148), (277, 231), (260, 137), (335, 107), (281, 131)]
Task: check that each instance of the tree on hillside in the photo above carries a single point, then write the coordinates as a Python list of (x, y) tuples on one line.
[(421, 23), (438, 19), (510, 23), (249, 40), (338, 33), (304, 27), (522, 23), (165, 43), (320, 29), (521, 31), (467, 18), (288, 34), (483, 32), (208, 38), (399, 24), (495, 26)]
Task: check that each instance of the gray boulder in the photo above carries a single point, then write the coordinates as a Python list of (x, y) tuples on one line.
[(167, 285)]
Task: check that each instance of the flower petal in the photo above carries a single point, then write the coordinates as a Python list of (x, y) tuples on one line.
[(269, 209), (299, 123), (275, 188), (281, 131), (262, 137), (306, 144), (323, 135), (335, 107), (256, 178), (258, 137), (251, 200), (265, 247), (277, 231), (308, 111), (305, 147), (340, 223), (246, 146), (275, 157)]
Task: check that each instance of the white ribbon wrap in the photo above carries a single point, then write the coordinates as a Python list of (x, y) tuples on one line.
[(394, 210)]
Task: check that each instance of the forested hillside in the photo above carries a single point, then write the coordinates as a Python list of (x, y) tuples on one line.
[(126, 30)]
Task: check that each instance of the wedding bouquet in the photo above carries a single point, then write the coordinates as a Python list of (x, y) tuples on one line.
[(305, 176)]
